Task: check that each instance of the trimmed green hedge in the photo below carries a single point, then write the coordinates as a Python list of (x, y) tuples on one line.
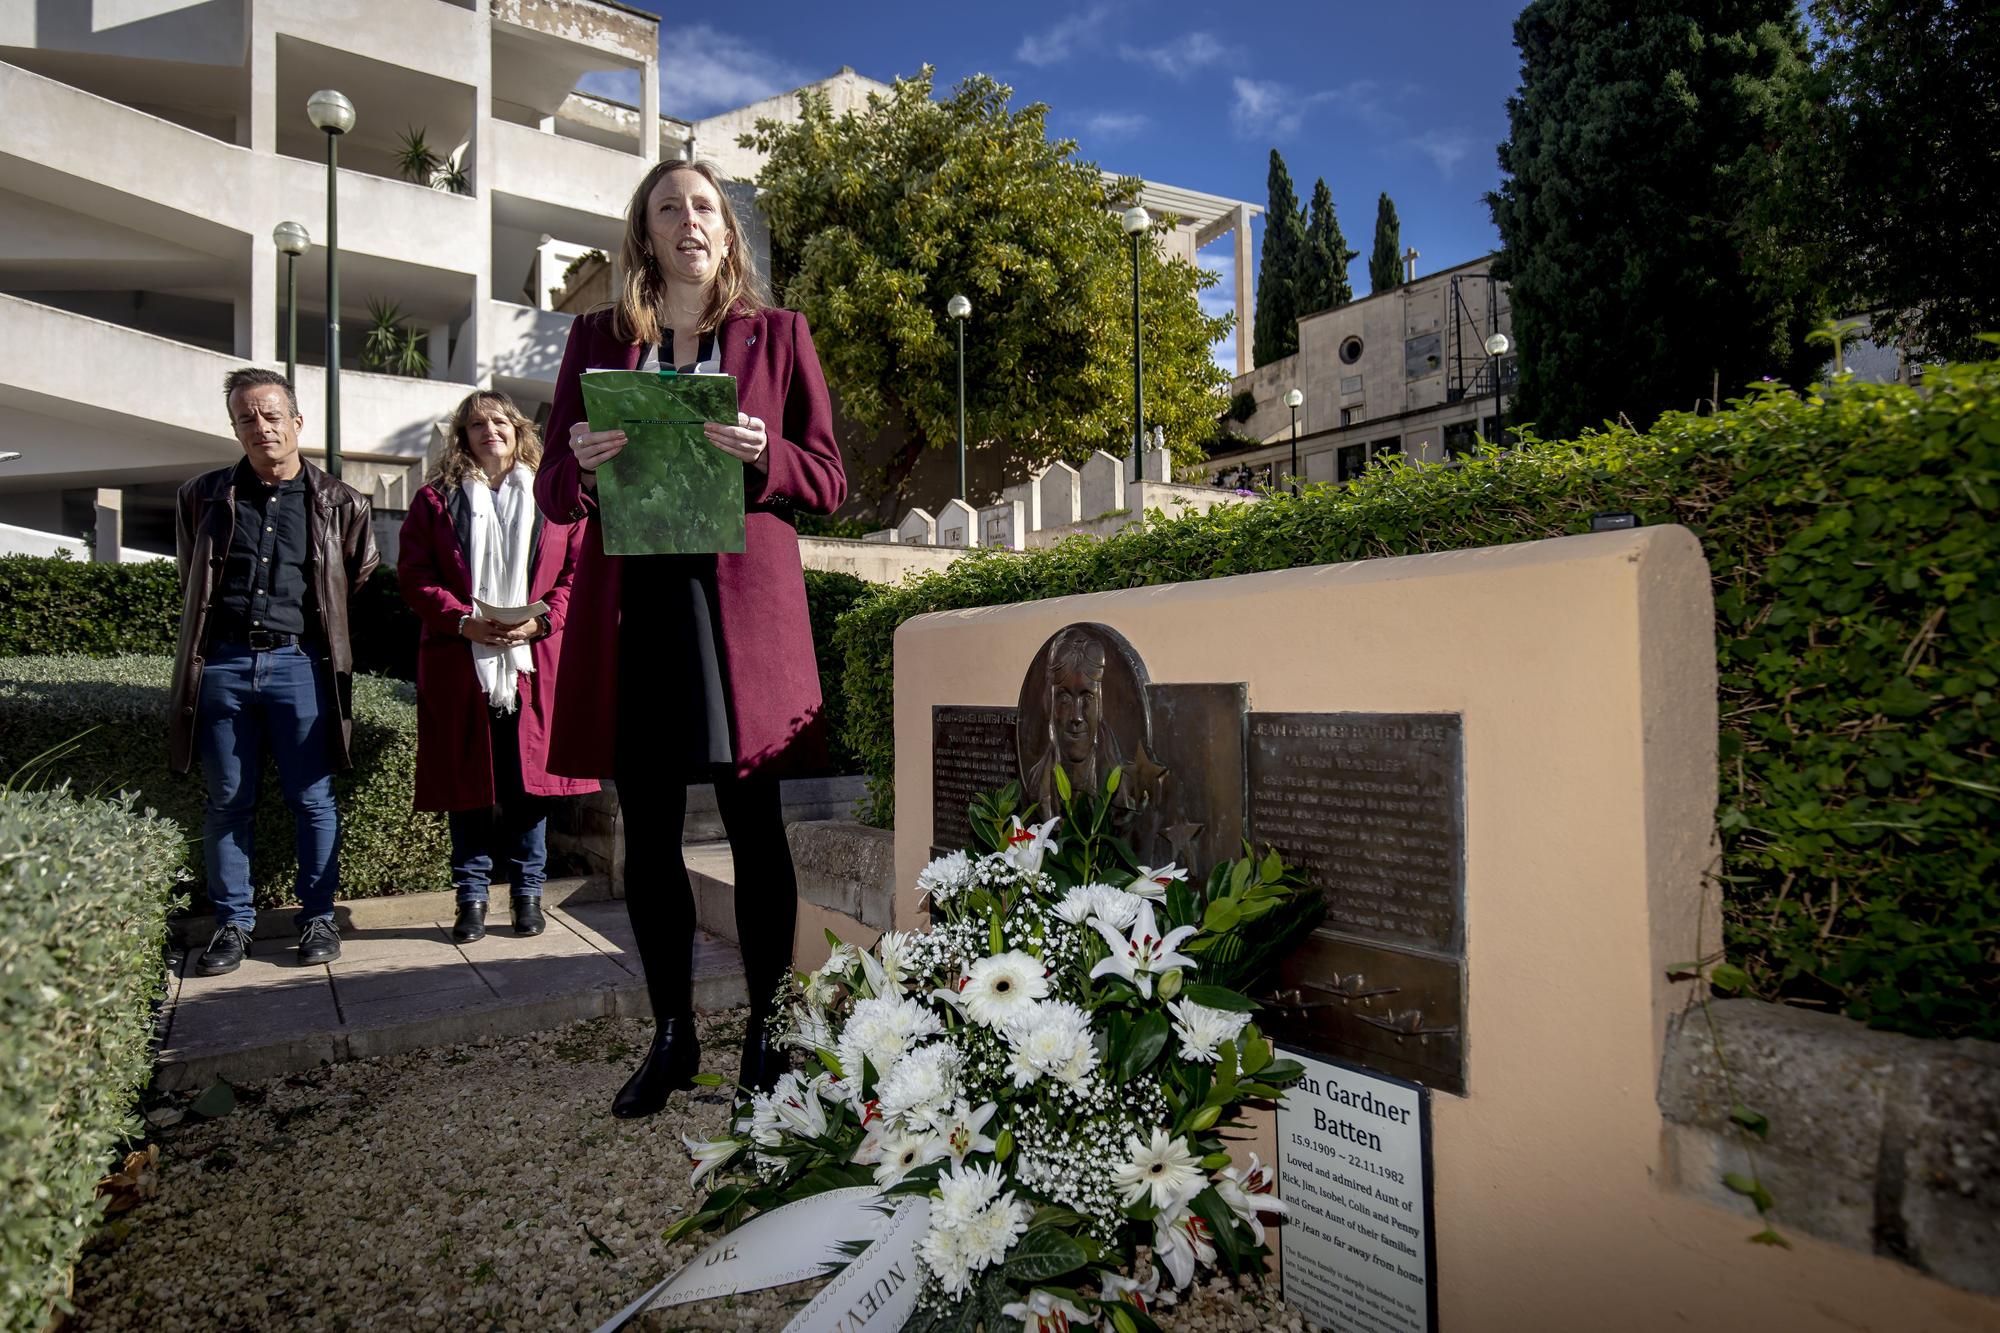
[(85, 886), (828, 597), (115, 710), (1851, 534)]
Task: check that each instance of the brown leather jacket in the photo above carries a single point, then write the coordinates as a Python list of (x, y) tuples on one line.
[(342, 544)]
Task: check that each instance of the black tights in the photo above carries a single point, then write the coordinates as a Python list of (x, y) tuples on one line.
[(660, 900)]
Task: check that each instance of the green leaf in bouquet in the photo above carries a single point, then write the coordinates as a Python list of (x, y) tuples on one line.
[(994, 938), (708, 1080), (1239, 876), (1045, 1253), (1220, 997), (1149, 1038), (868, 1078), (1283, 1071), (1221, 1219), (1256, 1055), (1137, 1318), (1051, 1215), (1221, 916), (994, 1296), (1273, 866)]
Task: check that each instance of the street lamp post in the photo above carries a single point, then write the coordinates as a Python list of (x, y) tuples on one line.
[(1136, 223), (1497, 346), (960, 310), (332, 113), (1293, 401), (291, 238)]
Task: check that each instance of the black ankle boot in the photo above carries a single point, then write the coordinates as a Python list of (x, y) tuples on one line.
[(763, 1059), (471, 923), (670, 1065)]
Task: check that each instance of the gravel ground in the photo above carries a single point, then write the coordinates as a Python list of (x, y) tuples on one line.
[(482, 1186)]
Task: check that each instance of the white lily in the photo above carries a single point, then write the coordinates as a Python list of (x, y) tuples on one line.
[(1248, 1192), (1181, 1240), (1044, 1312), (963, 1134), (708, 1154), (1142, 1295), (1144, 953), (1027, 845), (1151, 883)]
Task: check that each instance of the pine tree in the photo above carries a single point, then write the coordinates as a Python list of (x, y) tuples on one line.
[(1385, 265), (1323, 280), (1639, 141), (1278, 311)]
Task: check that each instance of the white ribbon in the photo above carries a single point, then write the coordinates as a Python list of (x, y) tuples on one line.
[(877, 1291)]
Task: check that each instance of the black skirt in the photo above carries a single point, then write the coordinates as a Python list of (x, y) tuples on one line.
[(673, 701)]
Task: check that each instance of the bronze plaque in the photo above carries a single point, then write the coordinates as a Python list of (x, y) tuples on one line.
[(1371, 807), (1198, 734), (1084, 709), (1401, 1011), (972, 753)]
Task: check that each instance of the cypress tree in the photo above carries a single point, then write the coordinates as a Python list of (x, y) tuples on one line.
[(1323, 281), (1638, 141), (1385, 265), (1277, 332)]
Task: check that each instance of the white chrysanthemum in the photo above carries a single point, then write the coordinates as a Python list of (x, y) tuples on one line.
[(963, 1191), (903, 1151), (990, 1234), (943, 1252), (1001, 988), (1052, 1039), (1202, 1029), (943, 878), (1162, 1168), (881, 1030), (922, 1086), (1085, 901)]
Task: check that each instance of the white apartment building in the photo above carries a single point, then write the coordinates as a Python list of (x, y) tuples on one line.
[(149, 147)]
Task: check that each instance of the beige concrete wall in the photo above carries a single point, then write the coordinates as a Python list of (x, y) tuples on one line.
[(877, 562), (1584, 669)]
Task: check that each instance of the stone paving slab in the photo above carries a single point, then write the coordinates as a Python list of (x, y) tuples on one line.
[(401, 983)]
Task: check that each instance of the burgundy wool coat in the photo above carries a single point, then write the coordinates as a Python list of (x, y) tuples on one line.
[(775, 718), (454, 744)]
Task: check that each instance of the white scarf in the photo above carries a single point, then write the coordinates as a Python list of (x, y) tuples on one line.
[(503, 524)]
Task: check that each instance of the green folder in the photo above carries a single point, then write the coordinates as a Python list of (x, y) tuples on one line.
[(669, 491)]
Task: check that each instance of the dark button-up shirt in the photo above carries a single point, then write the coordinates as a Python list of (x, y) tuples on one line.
[(267, 575)]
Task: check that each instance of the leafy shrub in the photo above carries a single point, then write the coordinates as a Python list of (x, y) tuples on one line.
[(828, 597), (115, 710), (71, 606), (84, 893), (1242, 405), (1851, 536)]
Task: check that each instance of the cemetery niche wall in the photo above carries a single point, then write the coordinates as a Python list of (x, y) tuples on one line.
[(1499, 766)]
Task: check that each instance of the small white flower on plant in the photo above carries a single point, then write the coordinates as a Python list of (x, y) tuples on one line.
[(1044, 1312), (1143, 1295), (1144, 953), (1163, 1169), (903, 1151), (708, 1154), (922, 1086), (1001, 988), (943, 1252), (1085, 901), (963, 1132), (1027, 845), (990, 1234), (1052, 1038), (1248, 1192), (944, 878), (1181, 1240), (1151, 883), (1202, 1029)]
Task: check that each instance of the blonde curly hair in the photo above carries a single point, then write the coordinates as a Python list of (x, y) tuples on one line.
[(457, 462)]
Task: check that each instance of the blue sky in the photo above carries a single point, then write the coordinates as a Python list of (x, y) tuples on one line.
[(1371, 96)]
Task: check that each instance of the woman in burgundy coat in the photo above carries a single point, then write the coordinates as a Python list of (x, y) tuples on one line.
[(485, 689), (696, 668)]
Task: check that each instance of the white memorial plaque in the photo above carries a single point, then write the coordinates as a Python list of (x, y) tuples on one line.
[(1354, 1173)]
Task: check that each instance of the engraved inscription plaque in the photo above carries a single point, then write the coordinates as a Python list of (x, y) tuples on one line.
[(1198, 736), (1401, 1011), (972, 752), (1371, 807)]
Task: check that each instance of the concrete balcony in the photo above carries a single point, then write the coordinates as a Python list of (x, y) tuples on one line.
[(391, 219), (527, 348), (559, 185), (92, 403), (425, 36)]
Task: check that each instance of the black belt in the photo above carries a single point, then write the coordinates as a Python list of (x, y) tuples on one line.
[(264, 640)]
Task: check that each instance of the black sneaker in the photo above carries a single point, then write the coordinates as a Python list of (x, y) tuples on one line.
[(319, 942), (224, 952)]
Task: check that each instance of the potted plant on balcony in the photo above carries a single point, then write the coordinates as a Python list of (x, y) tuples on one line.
[(389, 347), (416, 161)]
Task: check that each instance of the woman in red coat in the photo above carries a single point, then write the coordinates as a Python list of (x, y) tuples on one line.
[(485, 689), (696, 668)]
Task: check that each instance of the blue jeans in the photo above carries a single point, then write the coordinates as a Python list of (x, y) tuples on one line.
[(253, 704), (515, 829)]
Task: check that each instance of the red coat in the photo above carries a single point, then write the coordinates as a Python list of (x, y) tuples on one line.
[(454, 745), (774, 698)]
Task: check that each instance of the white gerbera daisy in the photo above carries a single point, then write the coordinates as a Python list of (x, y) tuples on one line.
[(1162, 1168), (1000, 988), (903, 1151), (1202, 1029)]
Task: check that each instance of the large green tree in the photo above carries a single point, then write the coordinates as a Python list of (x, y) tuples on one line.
[(1636, 166), (1385, 262), (1278, 268), (879, 216), (1900, 172), (1323, 280)]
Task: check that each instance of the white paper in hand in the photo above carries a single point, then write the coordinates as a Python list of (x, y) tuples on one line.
[(509, 615)]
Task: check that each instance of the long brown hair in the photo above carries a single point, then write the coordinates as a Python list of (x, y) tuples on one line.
[(735, 289), (458, 463)]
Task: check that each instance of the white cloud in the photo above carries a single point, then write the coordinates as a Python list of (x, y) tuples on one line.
[(1446, 148), (704, 71), (1183, 56), (1057, 43), (1263, 107), (1114, 124)]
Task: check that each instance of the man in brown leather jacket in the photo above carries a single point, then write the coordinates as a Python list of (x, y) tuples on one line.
[(270, 549)]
